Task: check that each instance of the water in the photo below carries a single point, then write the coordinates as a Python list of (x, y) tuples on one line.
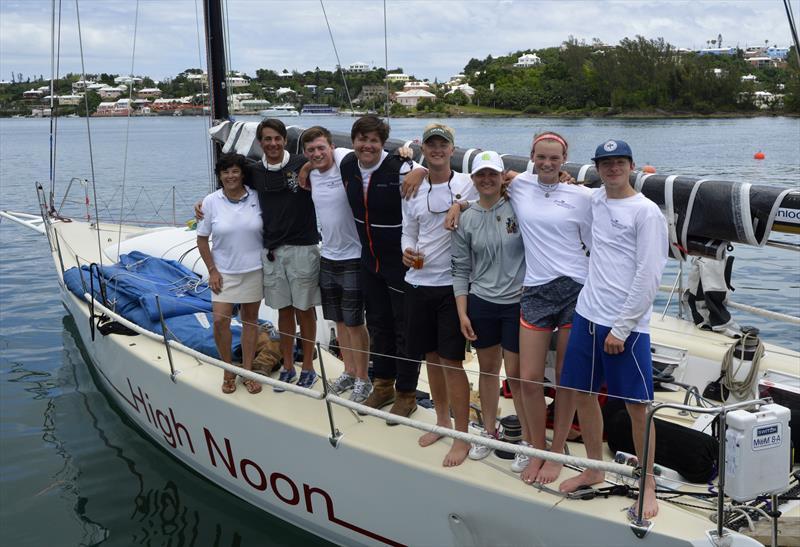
[(75, 472)]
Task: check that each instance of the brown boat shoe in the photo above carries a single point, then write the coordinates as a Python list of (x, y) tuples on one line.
[(382, 393), (404, 405)]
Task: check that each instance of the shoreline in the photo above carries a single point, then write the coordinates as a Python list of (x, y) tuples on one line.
[(571, 115)]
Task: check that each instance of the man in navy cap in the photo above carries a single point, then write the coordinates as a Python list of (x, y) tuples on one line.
[(610, 338)]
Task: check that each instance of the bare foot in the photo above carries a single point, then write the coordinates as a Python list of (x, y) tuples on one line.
[(457, 454), (650, 508), (588, 477), (428, 439), (549, 472), (528, 474)]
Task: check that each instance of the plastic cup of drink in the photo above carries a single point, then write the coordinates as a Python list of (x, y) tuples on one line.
[(418, 261)]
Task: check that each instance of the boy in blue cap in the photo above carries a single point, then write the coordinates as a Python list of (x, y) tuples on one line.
[(610, 330)]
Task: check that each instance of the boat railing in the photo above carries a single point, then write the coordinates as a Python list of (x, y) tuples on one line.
[(611, 467), (641, 526), (136, 199)]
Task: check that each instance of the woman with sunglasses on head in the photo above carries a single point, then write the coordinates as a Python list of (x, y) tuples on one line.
[(432, 325), (232, 219)]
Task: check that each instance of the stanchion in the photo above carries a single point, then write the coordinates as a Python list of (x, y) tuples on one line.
[(335, 433), (166, 341)]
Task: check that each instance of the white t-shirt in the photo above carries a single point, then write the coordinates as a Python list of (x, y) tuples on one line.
[(235, 230), (629, 251), (554, 229), (423, 228), (366, 172), (337, 227)]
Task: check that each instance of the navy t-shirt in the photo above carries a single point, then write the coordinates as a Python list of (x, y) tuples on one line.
[(286, 209)]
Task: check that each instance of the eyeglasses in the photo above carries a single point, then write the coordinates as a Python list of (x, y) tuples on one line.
[(449, 193)]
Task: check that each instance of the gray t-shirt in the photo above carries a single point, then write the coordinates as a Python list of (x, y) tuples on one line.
[(488, 257)]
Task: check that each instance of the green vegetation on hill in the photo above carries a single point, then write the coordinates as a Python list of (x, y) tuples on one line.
[(636, 75)]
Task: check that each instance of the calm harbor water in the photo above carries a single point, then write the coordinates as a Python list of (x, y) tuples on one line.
[(73, 471)]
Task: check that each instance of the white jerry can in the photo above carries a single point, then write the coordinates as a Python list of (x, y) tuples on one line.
[(757, 452)]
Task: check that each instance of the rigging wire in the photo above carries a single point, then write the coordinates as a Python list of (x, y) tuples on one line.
[(793, 28), (227, 40), (338, 61), (89, 134), (55, 62), (52, 93), (204, 97), (55, 133), (127, 128), (386, 60)]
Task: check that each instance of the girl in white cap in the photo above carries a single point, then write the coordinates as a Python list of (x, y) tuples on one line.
[(488, 267)]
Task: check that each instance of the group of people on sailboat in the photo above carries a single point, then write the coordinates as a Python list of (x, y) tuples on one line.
[(428, 258)]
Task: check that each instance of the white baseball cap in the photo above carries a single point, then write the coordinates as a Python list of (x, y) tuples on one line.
[(488, 159)]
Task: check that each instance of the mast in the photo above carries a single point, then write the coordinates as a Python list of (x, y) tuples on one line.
[(215, 53)]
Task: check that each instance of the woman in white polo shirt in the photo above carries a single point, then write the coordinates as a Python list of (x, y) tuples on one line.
[(232, 218)]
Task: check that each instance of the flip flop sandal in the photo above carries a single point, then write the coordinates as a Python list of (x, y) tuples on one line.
[(229, 385), (252, 386)]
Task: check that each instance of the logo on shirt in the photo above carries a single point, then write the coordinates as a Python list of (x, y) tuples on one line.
[(562, 203), (511, 225), (291, 181), (617, 224)]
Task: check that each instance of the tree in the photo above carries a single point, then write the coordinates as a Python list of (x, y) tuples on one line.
[(398, 109), (94, 101), (457, 97)]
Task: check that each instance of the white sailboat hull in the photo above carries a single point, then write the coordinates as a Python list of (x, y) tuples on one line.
[(375, 487)]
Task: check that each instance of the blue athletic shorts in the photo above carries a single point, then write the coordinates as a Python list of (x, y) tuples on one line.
[(629, 374), (494, 323)]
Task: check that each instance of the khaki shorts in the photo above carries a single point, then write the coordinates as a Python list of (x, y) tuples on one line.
[(292, 277), (242, 288)]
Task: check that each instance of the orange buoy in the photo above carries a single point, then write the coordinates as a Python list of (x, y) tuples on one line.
[(648, 169), (759, 155)]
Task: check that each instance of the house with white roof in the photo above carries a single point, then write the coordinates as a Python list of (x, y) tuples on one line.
[(357, 67), (149, 92), (466, 89), (127, 80), (238, 81), (411, 98), (110, 92), (527, 60), (32, 94), (398, 77), (409, 86)]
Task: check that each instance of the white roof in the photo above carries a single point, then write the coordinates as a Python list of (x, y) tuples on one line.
[(416, 93)]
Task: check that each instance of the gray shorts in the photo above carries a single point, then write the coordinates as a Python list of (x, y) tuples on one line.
[(291, 278), (551, 305)]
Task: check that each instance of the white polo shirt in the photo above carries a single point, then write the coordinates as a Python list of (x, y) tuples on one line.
[(334, 216), (235, 230)]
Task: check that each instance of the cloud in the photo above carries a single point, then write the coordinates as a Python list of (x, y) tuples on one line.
[(428, 39)]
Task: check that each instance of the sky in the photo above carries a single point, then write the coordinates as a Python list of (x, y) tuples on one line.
[(428, 39)]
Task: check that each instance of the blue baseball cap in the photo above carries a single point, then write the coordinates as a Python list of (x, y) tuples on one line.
[(612, 149)]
